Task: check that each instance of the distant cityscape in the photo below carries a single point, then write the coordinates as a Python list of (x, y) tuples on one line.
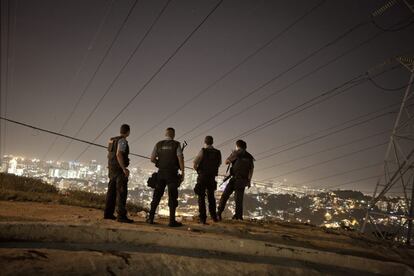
[(273, 201)]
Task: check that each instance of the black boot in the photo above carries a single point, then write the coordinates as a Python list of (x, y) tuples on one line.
[(111, 217), (219, 218), (236, 217), (173, 222), (124, 220), (203, 221), (150, 219)]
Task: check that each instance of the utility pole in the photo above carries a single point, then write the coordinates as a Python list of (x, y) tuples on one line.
[(398, 168)]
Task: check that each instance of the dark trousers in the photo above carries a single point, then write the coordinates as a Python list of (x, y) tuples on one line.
[(116, 194), (206, 184), (170, 180), (236, 186)]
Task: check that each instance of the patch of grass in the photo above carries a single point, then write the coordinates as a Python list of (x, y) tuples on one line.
[(25, 184), (14, 195), (19, 188)]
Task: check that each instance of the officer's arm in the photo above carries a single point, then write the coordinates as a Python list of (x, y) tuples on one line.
[(231, 158), (220, 162), (251, 172), (181, 163), (180, 157), (197, 160), (154, 155), (120, 159)]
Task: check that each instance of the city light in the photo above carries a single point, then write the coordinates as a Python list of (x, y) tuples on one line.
[(273, 201)]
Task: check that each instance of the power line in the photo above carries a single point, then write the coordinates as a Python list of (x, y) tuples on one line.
[(154, 75), (301, 61), (388, 89), (410, 21), (95, 73), (338, 174), (72, 138), (233, 69), (323, 151), (289, 85), (295, 110), (307, 104), (328, 134), (327, 161), (388, 5), (351, 182), (329, 128), (287, 114), (82, 65), (63, 135)]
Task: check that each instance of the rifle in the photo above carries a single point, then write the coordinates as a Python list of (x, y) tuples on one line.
[(184, 145), (228, 175)]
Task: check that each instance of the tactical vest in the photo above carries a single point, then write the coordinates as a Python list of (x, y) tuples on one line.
[(210, 163), (112, 150), (167, 155), (242, 165)]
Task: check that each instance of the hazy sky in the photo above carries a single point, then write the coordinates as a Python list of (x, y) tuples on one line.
[(54, 47)]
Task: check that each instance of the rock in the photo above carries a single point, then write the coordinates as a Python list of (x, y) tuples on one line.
[(142, 214)]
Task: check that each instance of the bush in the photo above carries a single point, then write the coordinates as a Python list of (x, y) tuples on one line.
[(86, 196), (19, 188), (25, 184)]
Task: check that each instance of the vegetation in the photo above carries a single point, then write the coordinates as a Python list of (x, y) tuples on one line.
[(19, 188)]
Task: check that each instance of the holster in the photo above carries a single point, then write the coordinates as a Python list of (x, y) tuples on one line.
[(153, 181)]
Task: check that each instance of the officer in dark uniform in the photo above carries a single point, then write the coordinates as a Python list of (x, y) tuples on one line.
[(168, 158), (207, 163), (118, 161), (242, 172)]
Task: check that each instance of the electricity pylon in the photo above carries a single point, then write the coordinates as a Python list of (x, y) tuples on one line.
[(397, 172)]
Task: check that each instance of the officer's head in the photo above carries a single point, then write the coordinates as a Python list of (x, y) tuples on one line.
[(125, 130), (170, 132), (240, 144), (208, 140)]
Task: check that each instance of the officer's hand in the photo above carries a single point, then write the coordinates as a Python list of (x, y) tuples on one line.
[(126, 172), (182, 178)]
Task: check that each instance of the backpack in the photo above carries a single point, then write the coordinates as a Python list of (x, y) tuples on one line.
[(112, 149)]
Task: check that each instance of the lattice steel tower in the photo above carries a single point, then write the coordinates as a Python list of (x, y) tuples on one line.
[(397, 172)]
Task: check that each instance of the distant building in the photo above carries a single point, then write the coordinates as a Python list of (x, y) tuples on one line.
[(12, 169)]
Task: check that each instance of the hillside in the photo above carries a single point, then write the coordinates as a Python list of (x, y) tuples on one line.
[(19, 188), (56, 238)]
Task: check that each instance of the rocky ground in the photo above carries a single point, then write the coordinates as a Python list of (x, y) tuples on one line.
[(42, 238)]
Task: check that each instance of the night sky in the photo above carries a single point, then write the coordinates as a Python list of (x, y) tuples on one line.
[(51, 49)]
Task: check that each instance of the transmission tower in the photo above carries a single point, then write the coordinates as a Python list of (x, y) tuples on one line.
[(397, 174)]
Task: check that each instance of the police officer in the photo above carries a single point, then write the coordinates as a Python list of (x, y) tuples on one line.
[(242, 172), (207, 163), (118, 161), (168, 158)]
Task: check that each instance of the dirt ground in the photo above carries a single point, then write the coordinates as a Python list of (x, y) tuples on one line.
[(41, 258)]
